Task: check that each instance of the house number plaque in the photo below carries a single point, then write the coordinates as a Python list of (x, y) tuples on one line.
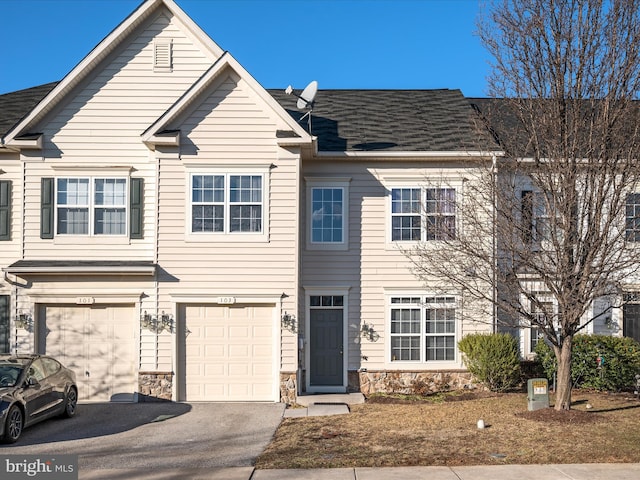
[(85, 300), (226, 300)]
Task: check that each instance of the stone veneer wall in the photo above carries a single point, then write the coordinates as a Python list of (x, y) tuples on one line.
[(155, 386), (405, 382), (408, 382), (288, 387)]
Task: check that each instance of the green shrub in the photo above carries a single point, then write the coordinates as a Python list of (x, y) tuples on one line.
[(493, 359), (621, 361)]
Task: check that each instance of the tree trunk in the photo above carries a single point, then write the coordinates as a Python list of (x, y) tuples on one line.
[(563, 378)]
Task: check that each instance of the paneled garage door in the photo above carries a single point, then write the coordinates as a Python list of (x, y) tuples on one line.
[(97, 342), (226, 353)]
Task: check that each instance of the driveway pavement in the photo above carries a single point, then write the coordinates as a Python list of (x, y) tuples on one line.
[(152, 436)]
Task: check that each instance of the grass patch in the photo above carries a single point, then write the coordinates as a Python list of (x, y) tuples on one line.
[(441, 431)]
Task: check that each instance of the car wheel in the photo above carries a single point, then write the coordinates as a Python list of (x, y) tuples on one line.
[(14, 425), (71, 403)]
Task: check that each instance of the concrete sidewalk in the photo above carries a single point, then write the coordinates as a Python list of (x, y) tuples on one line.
[(595, 471), (499, 472)]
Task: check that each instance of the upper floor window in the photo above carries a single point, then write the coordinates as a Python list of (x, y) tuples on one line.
[(536, 222), (423, 214), (440, 213), (91, 206), (327, 200), (227, 203), (423, 329), (632, 218), (327, 225)]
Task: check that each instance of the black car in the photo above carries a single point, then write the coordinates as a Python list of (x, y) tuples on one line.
[(33, 388)]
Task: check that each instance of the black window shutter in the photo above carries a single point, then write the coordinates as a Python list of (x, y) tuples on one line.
[(5, 209), (4, 324), (46, 208), (136, 194)]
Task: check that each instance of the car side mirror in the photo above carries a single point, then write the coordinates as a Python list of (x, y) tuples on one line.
[(32, 382)]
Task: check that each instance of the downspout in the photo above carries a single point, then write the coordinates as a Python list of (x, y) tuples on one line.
[(495, 243), (156, 257)]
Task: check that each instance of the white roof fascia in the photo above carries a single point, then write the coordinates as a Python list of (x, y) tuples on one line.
[(269, 100), (226, 60), (194, 28), (435, 155), (33, 142), (82, 270), (108, 44), (293, 141)]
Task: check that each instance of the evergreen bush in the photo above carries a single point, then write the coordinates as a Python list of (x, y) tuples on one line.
[(619, 361), (493, 359)]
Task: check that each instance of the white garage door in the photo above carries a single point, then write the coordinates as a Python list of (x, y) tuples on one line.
[(227, 353), (96, 342)]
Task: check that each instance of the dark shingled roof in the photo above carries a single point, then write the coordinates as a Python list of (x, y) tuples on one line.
[(349, 120), (390, 120), (14, 106)]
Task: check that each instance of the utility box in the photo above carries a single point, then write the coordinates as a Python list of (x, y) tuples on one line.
[(538, 393)]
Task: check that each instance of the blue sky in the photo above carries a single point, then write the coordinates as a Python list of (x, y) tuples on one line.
[(389, 44)]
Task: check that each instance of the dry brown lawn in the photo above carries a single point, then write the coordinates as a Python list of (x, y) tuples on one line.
[(395, 432)]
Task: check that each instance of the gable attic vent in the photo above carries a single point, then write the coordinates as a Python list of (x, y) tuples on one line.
[(162, 55)]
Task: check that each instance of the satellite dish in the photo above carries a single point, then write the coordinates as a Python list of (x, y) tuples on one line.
[(308, 95), (305, 99)]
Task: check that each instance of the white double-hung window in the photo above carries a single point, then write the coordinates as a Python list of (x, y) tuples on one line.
[(419, 213), (422, 328), (91, 206), (227, 203), (327, 213), (223, 203)]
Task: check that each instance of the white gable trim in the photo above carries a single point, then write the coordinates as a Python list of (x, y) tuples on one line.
[(106, 46), (151, 135)]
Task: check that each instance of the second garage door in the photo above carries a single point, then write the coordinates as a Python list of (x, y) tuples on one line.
[(226, 353), (97, 343)]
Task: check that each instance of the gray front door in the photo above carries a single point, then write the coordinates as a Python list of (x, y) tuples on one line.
[(326, 348), (631, 318)]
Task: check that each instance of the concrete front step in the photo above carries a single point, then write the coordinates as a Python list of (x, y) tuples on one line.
[(330, 398)]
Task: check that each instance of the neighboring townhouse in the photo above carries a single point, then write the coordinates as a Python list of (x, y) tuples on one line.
[(158, 181), (170, 229)]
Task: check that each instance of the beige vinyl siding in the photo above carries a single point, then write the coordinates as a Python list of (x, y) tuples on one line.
[(232, 130), (11, 250), (109, 112), (372, 264), (100, 127), (83, 247)]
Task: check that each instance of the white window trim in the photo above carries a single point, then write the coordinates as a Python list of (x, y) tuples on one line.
[(421, 364), (228, 170), (526, 328), (633, 243), (391, 183), (328, 182), (91, 237)]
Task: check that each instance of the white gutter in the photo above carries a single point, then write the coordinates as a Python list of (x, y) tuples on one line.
[(410, 154)]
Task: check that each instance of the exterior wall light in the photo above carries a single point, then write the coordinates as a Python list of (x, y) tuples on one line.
[(155, 323), (368, 332), (24, 320), (289, 322)]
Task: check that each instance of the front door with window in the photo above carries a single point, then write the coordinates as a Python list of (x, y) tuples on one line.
[(631, 317), (326, 344)]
